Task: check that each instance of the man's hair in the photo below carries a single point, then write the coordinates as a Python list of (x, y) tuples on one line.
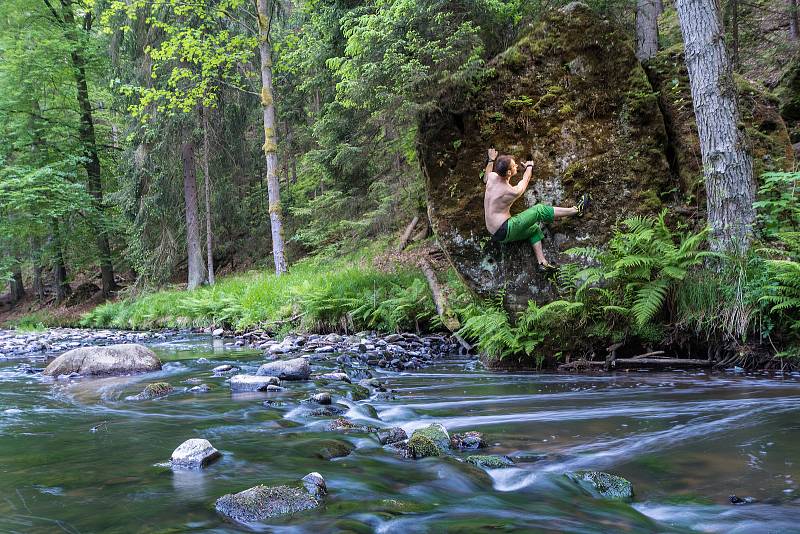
[(503, 164)]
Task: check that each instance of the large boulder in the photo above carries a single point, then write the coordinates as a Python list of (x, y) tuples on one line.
[(570, 95), (294, 369), (604, 485), (250, 383), (109, 360), (194, 454), (432, 440)]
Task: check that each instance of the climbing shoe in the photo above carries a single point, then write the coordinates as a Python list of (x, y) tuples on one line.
[(583, 204)]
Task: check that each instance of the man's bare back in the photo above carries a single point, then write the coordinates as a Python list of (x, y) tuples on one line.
[(500, 194)]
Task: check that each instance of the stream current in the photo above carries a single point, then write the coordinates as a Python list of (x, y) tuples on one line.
[(75, 456)]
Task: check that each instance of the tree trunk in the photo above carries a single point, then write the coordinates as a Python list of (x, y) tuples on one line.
[(196, 267), (38, 282), (209, 234), (270, 142), (793, 21), (735, 33), (17, 285), (61, 287), (89, 142), (646, 29), (728, 168)]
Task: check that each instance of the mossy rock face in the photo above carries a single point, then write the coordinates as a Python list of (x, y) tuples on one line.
[(571, 95), (766, 130), (603, 485), (358, 393), (432, 440)]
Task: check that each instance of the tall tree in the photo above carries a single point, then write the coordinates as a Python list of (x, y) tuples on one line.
[(197, 268), (647, 12), (207, 176), (727, 165), (265, 14), (86, 131), (794, 32)]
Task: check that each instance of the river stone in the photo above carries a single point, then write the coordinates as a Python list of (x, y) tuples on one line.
[(152, 391), (323, 398), (571, 95), (391, 435), (489, 461), (467, 441), (244, 383), (432, 440), (194, 453), (121, 359), (264, 502), (315, 485), (294, 369), (603, 484), (335, 376), (332, 448), (358, 393)]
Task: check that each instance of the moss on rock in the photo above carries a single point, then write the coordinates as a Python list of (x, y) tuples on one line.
[(570, 95), (263, 502), (603, 484), (154, 390), (432, 440), (489, 461)]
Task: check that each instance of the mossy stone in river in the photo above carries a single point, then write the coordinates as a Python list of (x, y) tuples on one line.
[(152, 391), (490, 461), (332, 448), (358, 393), (603, 484), (432, 440), (264, 502)]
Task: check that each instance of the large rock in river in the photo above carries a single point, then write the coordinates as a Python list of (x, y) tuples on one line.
[(264, 502), (109, 360), (570, 95)]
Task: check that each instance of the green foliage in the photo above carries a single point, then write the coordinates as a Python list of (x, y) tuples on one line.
[(641, 266), (779, 202)]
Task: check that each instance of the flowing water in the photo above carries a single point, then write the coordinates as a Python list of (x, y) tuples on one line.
[(75, 456)]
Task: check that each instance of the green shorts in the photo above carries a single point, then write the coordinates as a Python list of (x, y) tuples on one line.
[(525, 226)]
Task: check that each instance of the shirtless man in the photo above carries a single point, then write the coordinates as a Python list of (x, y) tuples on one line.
[(499, 197)]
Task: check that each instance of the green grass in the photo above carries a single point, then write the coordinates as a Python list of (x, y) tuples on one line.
[(320, 294)]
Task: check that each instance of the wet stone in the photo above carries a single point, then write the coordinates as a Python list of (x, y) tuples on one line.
[(194, 454), (246, 383), (153, 391), (322, 398), (294, 369), (391, 435), (201, 388), (603, 484), (490, 461), (432, 440), (315, 485), (263, 502), (467, 441)]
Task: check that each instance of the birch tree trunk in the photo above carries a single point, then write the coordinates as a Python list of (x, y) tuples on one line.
[(88, 139), (196, 267), (270, 141), (727, 166), (646, 29), (209, 234), (794, 33)]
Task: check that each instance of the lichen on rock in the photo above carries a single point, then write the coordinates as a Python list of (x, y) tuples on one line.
[(489, 461), (264, 502)]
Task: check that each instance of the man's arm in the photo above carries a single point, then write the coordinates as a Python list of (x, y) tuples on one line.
[(520, 188), (491, 156)]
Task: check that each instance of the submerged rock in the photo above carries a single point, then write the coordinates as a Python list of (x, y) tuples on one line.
[(245, 383), (152, 391), (345, 425), (467, 441), (571, 96), (432, 440), (332, 448), (264, 502), (294, 369), (200, 388), (194, 453), (603, 484), (323, 398), (489, 461), (358, 393), (109, 360), (391, 435)]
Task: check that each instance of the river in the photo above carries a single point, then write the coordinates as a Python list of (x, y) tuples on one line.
[(75, 456)]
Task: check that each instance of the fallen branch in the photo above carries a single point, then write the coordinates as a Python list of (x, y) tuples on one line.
[(661, 362), (579, 365), (422, 234), (648, 354), (449, 319), (612, 354), (407, 233)]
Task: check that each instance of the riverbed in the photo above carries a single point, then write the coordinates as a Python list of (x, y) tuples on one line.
[(76, 456)]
